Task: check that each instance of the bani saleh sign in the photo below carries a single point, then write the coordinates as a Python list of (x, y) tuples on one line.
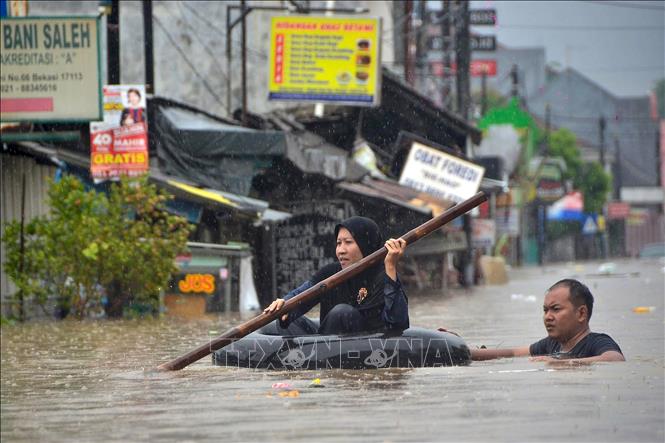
[(51, 69), (440, 174)]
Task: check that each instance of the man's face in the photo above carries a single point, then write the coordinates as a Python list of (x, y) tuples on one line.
[(562, 319)]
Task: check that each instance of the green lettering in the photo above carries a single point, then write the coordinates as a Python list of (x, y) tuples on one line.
[(57, 38), (85, 35), (48, 40), (7, 37)]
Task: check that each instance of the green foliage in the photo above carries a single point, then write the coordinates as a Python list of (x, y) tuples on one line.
[(588, 177), (595, 184), (563, 143), (121, 246)]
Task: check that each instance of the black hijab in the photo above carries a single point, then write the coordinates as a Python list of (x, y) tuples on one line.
[(367, 236)]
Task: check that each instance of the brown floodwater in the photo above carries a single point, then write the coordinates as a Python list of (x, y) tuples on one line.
[(92, 381)]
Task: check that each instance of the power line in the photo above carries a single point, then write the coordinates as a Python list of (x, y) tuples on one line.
[(582, 27), (214, 27), (190, 64), (594, 120), (205, 46), (629, 5), (625, 69)]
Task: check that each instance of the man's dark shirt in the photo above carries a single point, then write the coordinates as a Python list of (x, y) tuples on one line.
[(590, 346)]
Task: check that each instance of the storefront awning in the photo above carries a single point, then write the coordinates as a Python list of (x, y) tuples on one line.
[(219, 155), (188, 196), (397, 194), (251, 207)]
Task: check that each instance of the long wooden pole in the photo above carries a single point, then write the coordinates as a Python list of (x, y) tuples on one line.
[(263, 319)]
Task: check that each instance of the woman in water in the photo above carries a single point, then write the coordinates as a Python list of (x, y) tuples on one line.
[(373, 300)]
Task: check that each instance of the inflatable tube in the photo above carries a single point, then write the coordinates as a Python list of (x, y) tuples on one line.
[(413, 348)]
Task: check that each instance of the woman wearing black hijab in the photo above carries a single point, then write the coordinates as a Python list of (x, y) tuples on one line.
[(373, 300)]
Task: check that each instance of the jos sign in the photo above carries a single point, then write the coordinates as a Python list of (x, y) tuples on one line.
[(440, 174)]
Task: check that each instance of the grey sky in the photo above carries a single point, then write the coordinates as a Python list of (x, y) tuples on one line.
[(618, 44)]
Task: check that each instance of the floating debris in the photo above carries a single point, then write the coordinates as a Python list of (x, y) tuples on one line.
[(316, 383), (522, 297), (643, 309), (607, 268)]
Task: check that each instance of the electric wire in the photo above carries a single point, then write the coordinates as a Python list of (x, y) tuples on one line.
[(189, 63), (628, 5)]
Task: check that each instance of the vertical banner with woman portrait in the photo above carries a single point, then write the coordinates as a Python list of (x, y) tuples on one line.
[(119, 144)]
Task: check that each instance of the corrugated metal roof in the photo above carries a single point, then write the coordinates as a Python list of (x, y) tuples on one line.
[(397, 194)]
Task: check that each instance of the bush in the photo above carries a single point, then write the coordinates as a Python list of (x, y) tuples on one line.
[(94, 250)]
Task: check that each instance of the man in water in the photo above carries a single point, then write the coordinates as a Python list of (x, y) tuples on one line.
[(566, 312)]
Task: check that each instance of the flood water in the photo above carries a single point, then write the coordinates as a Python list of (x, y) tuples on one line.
[(91, 381)]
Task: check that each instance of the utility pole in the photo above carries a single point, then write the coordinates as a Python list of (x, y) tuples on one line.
[(463, 60), (409, 76), (515, 81), (548, 128), (243, 11), (463, 57), (446, 35), (319, 108), (228, 59), (483, 98), (148, 47), (601, 128), (617, 174), (113, 43)]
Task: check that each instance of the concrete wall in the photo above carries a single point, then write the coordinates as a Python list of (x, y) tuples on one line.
[(12, 170), (190, 45)]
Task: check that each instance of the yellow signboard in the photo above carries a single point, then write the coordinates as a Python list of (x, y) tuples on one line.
[(323, 59), (197, 283), (51, 69)]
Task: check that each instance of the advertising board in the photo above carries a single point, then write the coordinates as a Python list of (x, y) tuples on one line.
[(325, 59), (50, 69), (440, 174), (119, 144)]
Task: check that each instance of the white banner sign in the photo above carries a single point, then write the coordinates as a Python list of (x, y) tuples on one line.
[(440, 174), (51, 69), (483, 233)]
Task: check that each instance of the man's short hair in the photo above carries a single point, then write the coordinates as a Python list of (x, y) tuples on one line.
[(579, 293)]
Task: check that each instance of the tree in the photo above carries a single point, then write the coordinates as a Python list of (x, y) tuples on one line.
[(588, 177), (95, 250), (563, 143), (595, 184)]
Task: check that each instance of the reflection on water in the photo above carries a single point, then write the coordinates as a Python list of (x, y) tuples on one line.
[(94, 381)]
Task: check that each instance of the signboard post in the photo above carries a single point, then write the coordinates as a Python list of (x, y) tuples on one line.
[(442, 175), (322, 59), (51, 69)]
